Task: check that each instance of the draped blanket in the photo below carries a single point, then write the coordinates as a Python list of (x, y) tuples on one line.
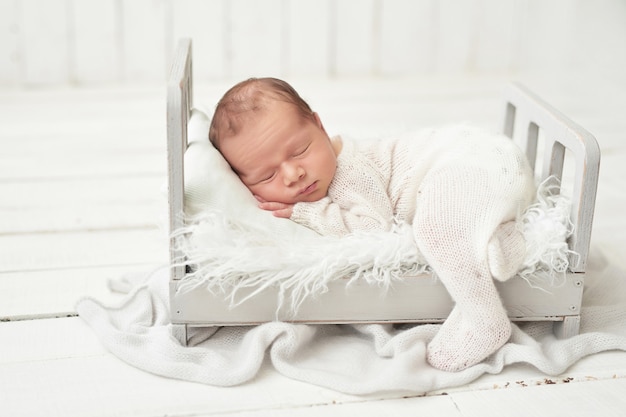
[(356, 359)]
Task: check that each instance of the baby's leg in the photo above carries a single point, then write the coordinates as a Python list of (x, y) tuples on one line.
[(458, 210), (506, 251)]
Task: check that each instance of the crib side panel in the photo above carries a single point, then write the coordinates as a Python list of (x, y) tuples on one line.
[(415, 299)]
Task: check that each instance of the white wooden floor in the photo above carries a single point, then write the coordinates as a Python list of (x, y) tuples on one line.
[(80, 185)]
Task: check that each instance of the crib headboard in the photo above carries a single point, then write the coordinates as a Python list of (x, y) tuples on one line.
[(526, 115), (179, 105)]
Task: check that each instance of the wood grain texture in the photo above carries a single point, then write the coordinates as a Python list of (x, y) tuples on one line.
[(56, 367), (61, 42)]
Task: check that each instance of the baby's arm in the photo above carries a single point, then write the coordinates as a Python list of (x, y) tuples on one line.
[(329, 218), (326, 217)]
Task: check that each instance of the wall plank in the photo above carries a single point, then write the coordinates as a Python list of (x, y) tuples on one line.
[(96, 41), (455, 36), (45, 47), (145, 56), (496, 36), (204, 22), (9, 42), (357, 31), (256, 35), (407, 37), (598, 41), (91, 41), (546, 28), (308, 37)]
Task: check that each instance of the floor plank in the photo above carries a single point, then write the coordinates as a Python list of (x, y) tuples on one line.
[(49, 251), (80, 171), (58, 368), (81, 204), (54, 293), (592, 398), (44, 360)]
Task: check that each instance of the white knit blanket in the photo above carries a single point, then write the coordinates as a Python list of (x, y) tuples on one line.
[(357, 359)]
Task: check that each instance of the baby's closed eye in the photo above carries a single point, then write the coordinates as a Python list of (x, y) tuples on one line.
[(302, 150), (267, 177)]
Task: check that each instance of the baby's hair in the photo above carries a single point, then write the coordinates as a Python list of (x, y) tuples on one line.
[(248, 98)]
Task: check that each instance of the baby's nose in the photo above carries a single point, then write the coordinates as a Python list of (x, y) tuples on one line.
[(292, 173)]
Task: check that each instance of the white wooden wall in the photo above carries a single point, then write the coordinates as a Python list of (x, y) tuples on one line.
[(48, 42)]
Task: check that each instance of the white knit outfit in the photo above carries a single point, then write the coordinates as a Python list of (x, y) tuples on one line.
[(461, 188)]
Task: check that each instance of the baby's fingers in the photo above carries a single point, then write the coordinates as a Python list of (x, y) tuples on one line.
[(271, 206), (278, 209), (283, 213)]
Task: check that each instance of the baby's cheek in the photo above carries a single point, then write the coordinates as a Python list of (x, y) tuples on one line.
[(266, 193)]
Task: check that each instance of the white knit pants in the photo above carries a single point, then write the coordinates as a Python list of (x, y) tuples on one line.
[(465, 208)]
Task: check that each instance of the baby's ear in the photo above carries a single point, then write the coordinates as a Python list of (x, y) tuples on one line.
[(318, 121), (337, 144)]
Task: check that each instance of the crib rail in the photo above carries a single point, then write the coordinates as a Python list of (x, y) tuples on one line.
[(179, 104), (526, 115)]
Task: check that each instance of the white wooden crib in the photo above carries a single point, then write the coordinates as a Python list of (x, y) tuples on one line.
[(417, 299)]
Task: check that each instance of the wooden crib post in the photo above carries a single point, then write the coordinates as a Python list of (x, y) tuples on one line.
[(570, 326), (179, 331)]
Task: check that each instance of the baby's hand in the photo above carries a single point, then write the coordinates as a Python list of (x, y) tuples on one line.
[(281, 210)]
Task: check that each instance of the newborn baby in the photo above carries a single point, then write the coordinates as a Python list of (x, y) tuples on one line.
[(461, 188)]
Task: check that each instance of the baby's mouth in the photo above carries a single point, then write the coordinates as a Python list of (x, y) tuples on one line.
[(308, 190)]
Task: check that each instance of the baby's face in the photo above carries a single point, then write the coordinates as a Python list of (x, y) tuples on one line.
[(282, 157)]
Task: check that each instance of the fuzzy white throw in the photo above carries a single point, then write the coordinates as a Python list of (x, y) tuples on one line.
[(357, 359), (230, 255)]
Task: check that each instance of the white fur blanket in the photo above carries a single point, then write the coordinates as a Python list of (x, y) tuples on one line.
[(230, 254), (357, 359)]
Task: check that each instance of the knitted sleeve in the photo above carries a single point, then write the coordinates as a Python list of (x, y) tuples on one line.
[(357, 199)]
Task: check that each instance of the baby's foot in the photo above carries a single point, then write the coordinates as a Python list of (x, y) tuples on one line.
[(461, 343)]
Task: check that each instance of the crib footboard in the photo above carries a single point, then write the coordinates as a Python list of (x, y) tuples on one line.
[(528, 120)]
